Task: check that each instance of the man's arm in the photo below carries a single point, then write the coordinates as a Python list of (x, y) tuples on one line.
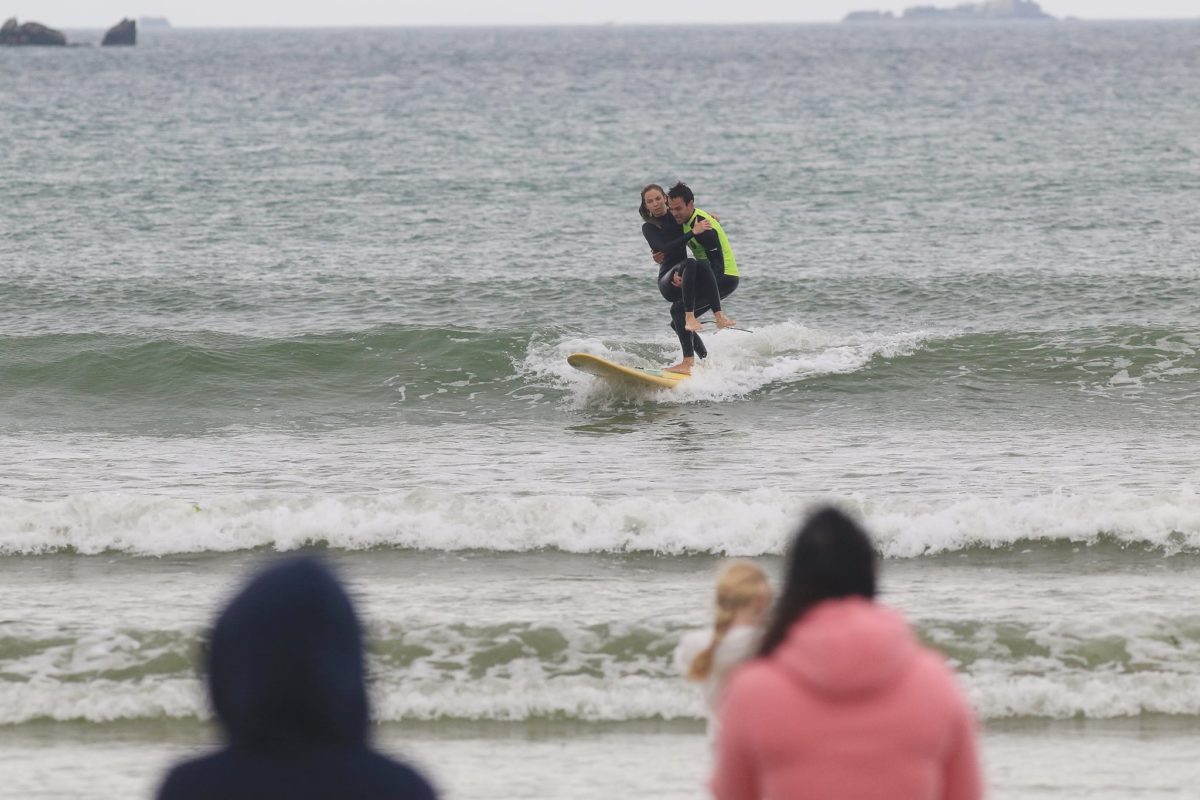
[(711, 243)]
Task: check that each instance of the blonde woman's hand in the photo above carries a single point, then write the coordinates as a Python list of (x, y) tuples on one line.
[(701, 226), (657, 255)]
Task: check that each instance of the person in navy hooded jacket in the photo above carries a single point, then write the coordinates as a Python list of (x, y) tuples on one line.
[(286, 678)]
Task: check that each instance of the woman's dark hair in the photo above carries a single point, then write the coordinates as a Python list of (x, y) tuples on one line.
[(645, 212), (831, 556)]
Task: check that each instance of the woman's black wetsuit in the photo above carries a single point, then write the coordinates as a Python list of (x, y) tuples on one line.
[(699, 290)]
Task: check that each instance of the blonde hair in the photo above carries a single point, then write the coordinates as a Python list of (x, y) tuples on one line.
[(739, 586)]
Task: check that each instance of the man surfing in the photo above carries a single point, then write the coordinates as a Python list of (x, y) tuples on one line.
[(703, 234)]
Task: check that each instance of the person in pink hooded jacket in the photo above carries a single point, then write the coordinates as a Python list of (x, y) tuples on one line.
[(843, 702)]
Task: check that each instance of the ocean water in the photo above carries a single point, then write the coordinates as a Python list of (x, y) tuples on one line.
[(269, 291)]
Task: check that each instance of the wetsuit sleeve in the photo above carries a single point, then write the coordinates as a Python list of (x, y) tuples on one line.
[(711, 243), (656, 237)]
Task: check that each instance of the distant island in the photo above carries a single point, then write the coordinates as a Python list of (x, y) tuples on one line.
[(970, 12), (35, 34), (31, 33), (154, 23)]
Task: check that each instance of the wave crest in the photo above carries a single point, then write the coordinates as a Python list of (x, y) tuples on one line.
[(730, 523)]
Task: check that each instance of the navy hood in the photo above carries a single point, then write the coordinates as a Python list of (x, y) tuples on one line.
[(285, 662)]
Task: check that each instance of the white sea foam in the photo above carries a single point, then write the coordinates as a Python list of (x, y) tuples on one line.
[(577, 697), (1054, 668), (1168, 520), (1093, 695), (1102, 695), (751, 523), (1084, 694), (739, 362), (102, 700), (483, 699), (735, 523)]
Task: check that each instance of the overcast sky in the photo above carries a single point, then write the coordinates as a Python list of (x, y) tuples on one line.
[(284, 13)]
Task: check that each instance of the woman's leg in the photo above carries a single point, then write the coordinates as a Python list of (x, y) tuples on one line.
[(704, 286), (698, 282), (670, 292), (725, 286)]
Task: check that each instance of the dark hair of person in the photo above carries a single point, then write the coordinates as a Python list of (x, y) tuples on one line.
[(645, 212), (831, 556), (680, 191)]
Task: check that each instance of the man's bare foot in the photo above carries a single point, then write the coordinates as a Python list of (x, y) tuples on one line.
[(692, 324), (683, 367), (724, 321)]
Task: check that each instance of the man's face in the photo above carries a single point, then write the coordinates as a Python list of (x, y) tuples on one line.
[(680, 210)]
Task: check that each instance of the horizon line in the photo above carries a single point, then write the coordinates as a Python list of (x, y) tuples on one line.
[(601, 24)]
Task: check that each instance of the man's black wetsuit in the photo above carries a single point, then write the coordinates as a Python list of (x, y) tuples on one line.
[(700, 290)]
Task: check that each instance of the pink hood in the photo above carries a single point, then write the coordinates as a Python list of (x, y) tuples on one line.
[(847, 646), (849, 706)]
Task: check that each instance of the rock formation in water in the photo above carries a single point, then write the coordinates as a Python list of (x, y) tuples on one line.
[(31, 33), (970, 12), (869, 16), (123, 33)]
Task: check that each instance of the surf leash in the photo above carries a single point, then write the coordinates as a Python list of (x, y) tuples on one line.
[(730, 328)]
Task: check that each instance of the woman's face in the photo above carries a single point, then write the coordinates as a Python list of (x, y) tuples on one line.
[(656, 202)]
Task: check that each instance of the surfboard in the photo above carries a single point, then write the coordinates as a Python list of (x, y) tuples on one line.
[(636, 376)]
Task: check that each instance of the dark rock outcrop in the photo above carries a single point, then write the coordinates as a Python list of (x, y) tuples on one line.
[(969, 12), (991, 10), (869, 16), (123, 33), (31, 33)]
